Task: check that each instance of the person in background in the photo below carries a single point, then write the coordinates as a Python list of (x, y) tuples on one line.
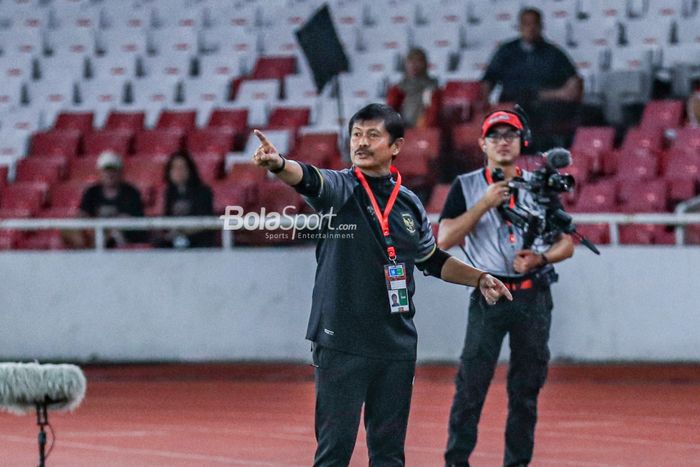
[(110, 197), (186, 195), (538, 75), (416, 97)]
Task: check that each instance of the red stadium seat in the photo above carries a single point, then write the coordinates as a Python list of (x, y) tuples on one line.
[(55, 143), (425, 141), (275, 196), (637, 166), (465, 137), (289, 117), (467, 155), (235, 120), (643, 196), (664, 235), (415, 170), (60, 213), (595, 143), (83, 169), (32, 169), (42, 240), (9, 239), (274, 67), (687, 138), (597, 197), (438, 198), (147, 175), (158, 142), (639, 142), (205, 141), (692, 235), (643, 138), (419, 152), (460, 101), (3, 176), (229, 194), (183, 120), (144, 170), (79, 121), (15, 213), (67, 195), (24, 195), (118, 141), (596, 233), (319, 149), (662, 114), (246, 173), (683, 174), (637, 234), (646, 234), (132, 121), (210, 167)]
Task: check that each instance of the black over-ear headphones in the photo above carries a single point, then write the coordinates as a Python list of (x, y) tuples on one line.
[(526, 133)]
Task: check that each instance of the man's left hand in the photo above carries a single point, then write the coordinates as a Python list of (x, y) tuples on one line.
[(526, 260), (492, 289)]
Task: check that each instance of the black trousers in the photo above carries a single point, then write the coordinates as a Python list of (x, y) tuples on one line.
[(527, 320), (344, 382)]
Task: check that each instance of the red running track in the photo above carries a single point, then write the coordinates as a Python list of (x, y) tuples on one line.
[(246, 415)]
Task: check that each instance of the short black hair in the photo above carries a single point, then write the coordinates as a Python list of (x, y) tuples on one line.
[(194, 179), (392, 119), (530, 11)]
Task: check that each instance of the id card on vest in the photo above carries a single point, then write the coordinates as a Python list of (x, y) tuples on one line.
[(397, 290)]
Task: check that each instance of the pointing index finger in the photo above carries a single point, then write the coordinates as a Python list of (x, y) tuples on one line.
[(262, 138)]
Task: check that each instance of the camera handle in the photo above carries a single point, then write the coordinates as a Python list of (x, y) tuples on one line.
[(528, 223)]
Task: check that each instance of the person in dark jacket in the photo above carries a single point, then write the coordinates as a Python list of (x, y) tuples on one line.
[(110, 197), (186, 195)]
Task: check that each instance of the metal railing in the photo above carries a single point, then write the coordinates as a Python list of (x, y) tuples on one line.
[(100, 226)]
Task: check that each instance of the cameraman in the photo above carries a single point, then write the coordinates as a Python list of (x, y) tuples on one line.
[(471, 214)]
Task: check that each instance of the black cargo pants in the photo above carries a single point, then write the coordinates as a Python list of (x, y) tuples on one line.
[(527, 320)]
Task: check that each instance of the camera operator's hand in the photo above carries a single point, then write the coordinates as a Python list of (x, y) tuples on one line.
[(492, 289), (496, 194), (527, 260)]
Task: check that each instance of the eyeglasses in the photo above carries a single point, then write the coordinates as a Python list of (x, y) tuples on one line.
[(507, 136)]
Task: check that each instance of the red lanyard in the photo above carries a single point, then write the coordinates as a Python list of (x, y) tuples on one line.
[(383, 217), (511, 204)]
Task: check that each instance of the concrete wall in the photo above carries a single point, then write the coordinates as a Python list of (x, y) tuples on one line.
[(632, 303)]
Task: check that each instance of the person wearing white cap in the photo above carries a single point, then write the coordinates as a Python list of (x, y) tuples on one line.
[(112, 197)]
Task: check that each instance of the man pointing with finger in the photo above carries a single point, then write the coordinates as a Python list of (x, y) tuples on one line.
[(364, 342)]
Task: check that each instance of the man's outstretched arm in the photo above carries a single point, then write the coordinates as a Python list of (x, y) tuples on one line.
[(267, 157), (450, 269)]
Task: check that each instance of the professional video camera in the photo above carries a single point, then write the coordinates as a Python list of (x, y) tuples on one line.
[(545, 184)]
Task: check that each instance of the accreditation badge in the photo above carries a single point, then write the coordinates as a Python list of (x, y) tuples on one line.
[(397, 290)]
